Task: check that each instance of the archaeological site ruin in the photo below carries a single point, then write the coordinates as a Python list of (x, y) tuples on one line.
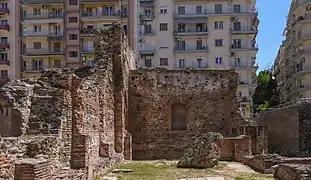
[(74, 124)]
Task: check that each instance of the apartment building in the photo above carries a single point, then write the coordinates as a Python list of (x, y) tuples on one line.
[(9, 41), (297, 52), (58, 33), (279, 73), (202, 35)]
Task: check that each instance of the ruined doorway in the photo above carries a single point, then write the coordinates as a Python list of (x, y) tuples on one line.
[(179, 117)]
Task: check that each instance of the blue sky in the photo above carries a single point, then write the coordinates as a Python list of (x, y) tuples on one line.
[(272, 16)]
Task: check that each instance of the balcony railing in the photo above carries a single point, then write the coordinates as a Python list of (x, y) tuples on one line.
[(4, 45), (87, 50), (4, 62), (87, 31), (4, 10), (144, 16), (146, 51), (4, 27), (243, 48), (196, 31), (44, 15), (244, 65), (190, 66), (243, 30), (45, 51), (206, 13), (146, 3), (44, 33), (191, 49), (147, 33), (102, 14)]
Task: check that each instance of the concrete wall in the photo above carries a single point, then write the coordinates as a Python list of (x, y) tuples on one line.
[(210, 104)]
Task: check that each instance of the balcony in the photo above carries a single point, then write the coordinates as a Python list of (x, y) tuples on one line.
[(191, 66), (44, 17), (247, 84), (147, 34), (245, 100), (235, 47), (4, 45), (239, 31), (43, 1), (242, 66), (42, 34), (146, 52), (296, 72), (4, 80), (191, 49), (146, 17), (4, 27), (4, 62), (224, 12), (86, 50), (87, 32), (146, 3), (43, 52), (4, 10), (102, 15), (299, 88), (191, 32)]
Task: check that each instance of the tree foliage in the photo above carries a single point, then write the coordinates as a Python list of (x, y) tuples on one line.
[(266, 94)]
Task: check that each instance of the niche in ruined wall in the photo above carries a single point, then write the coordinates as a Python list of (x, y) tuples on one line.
[(178, 117)]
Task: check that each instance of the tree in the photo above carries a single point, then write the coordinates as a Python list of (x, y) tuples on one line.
[(266, 94)]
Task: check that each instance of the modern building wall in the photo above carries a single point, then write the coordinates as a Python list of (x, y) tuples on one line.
[(9, 40), (58, 33), (297, 52), (182, 34)]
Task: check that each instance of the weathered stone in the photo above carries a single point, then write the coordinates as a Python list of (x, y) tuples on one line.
[(204, 152), (292, 172), (235, 148)]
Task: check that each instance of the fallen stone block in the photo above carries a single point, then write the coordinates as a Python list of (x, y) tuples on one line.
[(204, 152), (292, 172)]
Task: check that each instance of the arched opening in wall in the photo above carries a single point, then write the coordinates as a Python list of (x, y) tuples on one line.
[(179, 117)]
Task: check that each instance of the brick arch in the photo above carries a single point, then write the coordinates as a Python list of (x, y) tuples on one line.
[(178, 116)]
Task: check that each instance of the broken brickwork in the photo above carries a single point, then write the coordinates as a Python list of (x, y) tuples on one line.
[(235, 148), (70, 121), (289, 128), (292, 172), (169, 107)]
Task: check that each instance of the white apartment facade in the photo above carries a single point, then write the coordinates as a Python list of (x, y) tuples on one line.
[(201, 34), (9, 40)]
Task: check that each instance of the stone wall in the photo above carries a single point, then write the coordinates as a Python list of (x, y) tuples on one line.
[(292, 172), (235, 148), (168, 107), (289, 127), (70, 118)]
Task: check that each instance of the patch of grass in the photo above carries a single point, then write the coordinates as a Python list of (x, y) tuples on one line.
[(160, 171), (251, 176)]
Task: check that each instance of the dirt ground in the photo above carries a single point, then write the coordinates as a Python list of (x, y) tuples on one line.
[(166, 170)]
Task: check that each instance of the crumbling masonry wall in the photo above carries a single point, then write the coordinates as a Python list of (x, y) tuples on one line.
[(167, 108), (70, 119), (289, 128)]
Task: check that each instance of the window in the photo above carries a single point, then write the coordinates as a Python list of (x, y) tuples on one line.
[(237, 61), (125, 29), (4, 39), (148, 29), (199, 44), (198, 9), (37, 45), (148, 63), (90, 62), (163, 27), (236, 43), (36, 28), (73, 53), (4, 22), (218, 60), (73, 19), (73, 2), (181, 63), (73, 36), (181, 10), (57, 63), (181, 27), (237, 26), (163, 10), (199, 60), (218, 42), (163, 61), (4, 5), (218, 8), (4, 74), (3, 56), (24, 65), (36, 11), (236, 8), (218, 25), (37, 64), (180, 45), (179, 117)]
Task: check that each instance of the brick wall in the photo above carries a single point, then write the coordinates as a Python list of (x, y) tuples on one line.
[(207, 100), (287, 141), (235, 148)]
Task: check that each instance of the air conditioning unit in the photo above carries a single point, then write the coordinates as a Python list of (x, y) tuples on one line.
[(141, 40), (45, 7), (233, 19), (233, 54)]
